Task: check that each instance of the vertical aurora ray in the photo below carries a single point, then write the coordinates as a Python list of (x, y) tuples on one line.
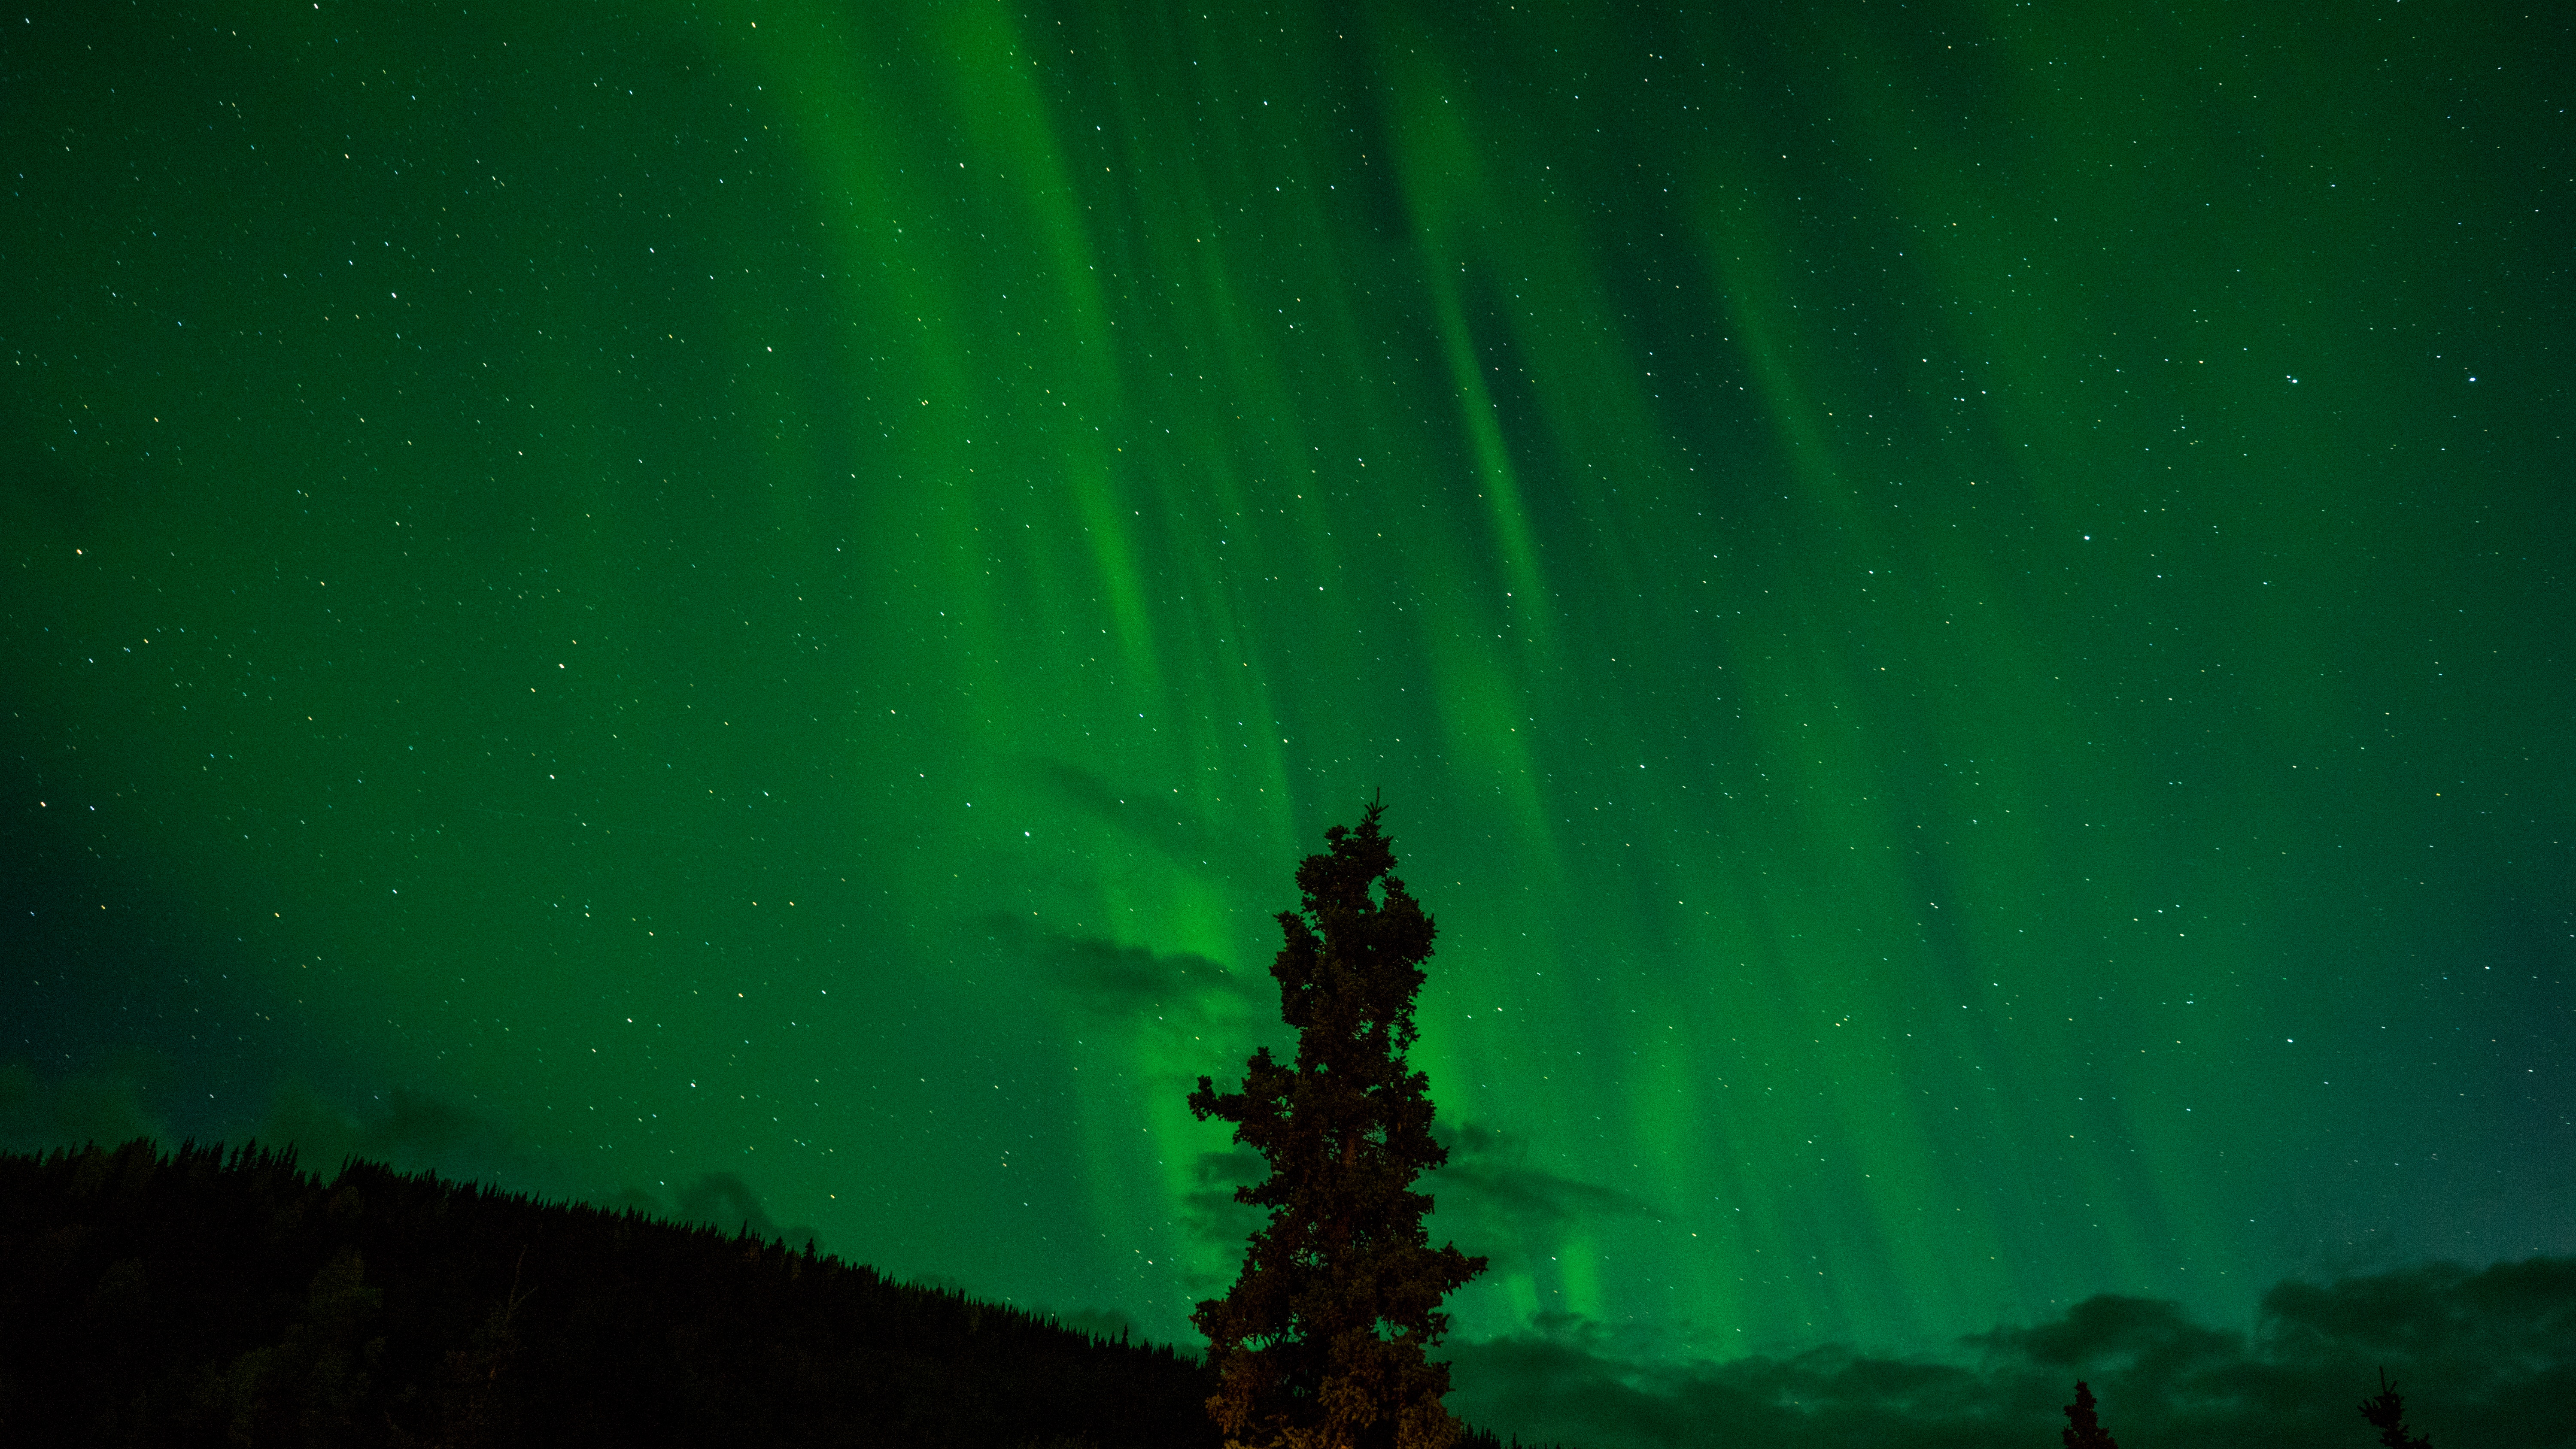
[(776, 589)]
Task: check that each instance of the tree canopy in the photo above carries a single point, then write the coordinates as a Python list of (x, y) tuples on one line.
[(2387, 1414), (2083, 1425), (1321, 1342)]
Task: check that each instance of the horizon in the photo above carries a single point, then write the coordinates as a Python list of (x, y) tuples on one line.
[(2490, 1343)]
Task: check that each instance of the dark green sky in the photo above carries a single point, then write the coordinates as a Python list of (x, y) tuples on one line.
[(1963, 612)]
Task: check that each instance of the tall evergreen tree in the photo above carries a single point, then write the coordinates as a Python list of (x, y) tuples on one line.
[(1320, 1343), (2387, 1414), (2083, 1430)]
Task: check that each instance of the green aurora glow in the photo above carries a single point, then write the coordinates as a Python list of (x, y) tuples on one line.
[(1963, 614)]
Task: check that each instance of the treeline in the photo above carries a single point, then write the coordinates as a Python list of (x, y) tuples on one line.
[(206, 1297)]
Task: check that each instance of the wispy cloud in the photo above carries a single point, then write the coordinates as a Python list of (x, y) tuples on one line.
[(1141, 813), (1493, 1202), (1124, 981), (1488, 1199)]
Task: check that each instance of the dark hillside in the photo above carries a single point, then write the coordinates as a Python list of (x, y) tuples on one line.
[(202, 1297)]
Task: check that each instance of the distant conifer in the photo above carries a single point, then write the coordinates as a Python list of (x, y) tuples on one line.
[(1320, 1343), (2083, 1430), (2387, 1414)]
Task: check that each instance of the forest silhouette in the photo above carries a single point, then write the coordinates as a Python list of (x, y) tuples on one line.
[(207, 1296), (215, 1297)]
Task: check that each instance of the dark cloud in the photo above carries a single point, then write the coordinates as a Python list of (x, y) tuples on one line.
[(408, 1130), (125, 1095), (1489, 1196), (2147, 1334), (414, 1131), (2482, 1314), (107, 1106), (725, 1202), (405, 1129), (130, 1092), (1122, 981), (2484, 1358), (1210, 1215)]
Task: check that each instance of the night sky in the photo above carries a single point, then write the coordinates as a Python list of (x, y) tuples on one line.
[(1963, 612)]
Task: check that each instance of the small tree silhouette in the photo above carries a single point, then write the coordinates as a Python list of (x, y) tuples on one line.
[(2083, 1431), (2387, 1414)]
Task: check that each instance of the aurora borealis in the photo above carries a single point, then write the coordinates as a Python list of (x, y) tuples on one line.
[(1963, 613)]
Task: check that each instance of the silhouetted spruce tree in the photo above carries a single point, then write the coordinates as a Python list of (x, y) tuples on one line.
[(2083, 1430), (1320, 1343), (2387, 1414)]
